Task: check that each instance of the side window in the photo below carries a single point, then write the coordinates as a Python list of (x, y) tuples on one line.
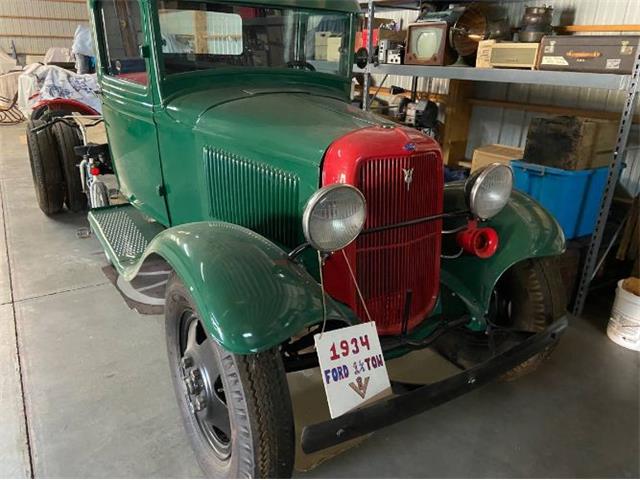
[(122, 38)]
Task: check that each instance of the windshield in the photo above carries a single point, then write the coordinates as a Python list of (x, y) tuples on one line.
[(199, 35)]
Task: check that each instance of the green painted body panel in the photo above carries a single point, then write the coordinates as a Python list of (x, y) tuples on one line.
[(190, 94), (526, 230), (137, 163), (251, 296), (295, 129)]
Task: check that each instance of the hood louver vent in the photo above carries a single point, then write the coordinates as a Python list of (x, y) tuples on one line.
[(254, 195)]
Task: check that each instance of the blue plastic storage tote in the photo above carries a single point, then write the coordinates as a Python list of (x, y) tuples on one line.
[(572, 196)]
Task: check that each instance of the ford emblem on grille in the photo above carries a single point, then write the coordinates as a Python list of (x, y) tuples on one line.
[(408, 177), (410, 147)]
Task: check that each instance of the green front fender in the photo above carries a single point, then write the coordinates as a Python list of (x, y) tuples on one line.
[(525, 229), (249, 294)]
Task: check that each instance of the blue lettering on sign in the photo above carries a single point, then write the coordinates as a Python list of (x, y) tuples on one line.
[(341, 372), (369, 363), (336, 374)]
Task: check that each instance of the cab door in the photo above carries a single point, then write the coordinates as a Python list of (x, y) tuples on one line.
[(129, 102)]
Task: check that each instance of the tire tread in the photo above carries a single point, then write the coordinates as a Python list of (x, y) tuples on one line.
[(268, 394), (45, 168), (548, 299), (67, 139)]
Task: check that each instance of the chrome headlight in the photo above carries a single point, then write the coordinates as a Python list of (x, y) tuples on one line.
[(334, 217), (488, 189)]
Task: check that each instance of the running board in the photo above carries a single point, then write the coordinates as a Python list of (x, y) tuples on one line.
[(124, 233)]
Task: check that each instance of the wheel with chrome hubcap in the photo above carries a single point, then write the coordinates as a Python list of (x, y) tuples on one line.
[(203, 383), (236, 408)]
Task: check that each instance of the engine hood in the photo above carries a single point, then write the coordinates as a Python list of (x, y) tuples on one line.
[(272, 125)]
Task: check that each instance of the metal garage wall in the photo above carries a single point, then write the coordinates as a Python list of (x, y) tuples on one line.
[(37, 25), (509, 127)]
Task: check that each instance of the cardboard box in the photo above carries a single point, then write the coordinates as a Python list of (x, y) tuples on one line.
[(333, 49), (321, 45), (328, 47), (488, 154)]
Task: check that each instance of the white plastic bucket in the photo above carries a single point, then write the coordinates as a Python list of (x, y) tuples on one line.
[(624, 324)]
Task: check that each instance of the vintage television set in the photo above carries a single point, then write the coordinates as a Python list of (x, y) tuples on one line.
[(427, 44)]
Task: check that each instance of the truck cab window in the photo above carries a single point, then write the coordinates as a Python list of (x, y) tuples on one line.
[(122, 36), (198, 35)]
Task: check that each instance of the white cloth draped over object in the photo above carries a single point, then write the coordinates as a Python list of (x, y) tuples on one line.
[(83, 42), (46, 82)]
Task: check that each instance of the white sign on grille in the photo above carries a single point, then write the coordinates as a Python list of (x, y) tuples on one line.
[(352, 367)]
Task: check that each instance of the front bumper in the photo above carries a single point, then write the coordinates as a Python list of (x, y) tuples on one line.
[(400, 407)]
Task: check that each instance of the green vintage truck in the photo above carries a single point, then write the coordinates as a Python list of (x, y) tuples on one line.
[(282, 210)]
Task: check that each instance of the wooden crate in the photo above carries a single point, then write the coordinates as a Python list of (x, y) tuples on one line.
[(571, 143)]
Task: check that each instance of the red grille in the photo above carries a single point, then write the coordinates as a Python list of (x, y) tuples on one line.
[(392, 263)]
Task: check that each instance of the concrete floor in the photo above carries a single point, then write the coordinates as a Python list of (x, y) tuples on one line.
[(84, 389)]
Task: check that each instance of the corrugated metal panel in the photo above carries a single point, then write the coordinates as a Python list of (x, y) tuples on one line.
[(497, 125), (48, 23)]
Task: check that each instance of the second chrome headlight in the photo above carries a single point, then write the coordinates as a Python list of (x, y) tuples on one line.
[(488, 190), (334, 217)]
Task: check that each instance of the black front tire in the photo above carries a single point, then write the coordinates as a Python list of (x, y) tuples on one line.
[(47, 175), (538, 298), (528, 298), (67, 138), (261, 442)]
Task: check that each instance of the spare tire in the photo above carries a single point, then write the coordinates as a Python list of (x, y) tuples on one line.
[(67, 138), (47, 175)]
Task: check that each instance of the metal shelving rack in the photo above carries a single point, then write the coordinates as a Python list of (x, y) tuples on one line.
[(627, 83)]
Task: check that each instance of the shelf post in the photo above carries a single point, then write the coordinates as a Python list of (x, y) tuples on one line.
[(617, 164), (414, 88), (367, 75)]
